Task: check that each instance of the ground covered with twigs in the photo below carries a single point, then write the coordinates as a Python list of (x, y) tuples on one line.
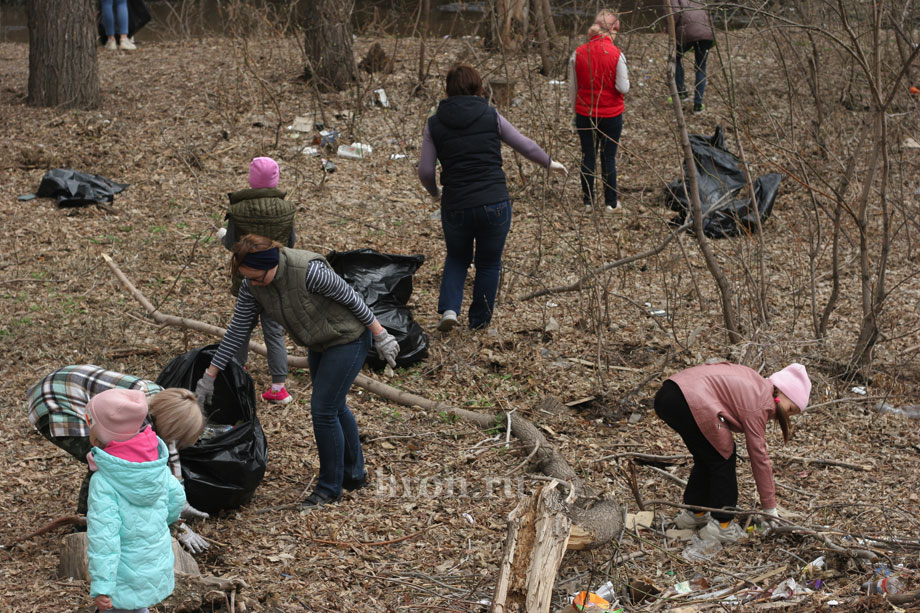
[(181, 120)]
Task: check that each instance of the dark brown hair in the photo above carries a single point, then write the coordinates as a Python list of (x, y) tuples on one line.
[(782, 417), (463, 80), (249, 243)]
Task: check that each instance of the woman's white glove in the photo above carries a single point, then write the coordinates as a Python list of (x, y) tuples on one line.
[(387, 347), (190, 512), (191, 540), (773, 514), (204, 390), (436, 197), (557, 167)]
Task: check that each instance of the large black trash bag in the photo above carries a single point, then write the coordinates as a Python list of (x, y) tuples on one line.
[(721, 182), (385, 282), (75, 188), (221, 472)]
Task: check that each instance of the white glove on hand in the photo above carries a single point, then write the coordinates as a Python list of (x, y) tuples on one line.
[(771, 513), (191, 540), (387, 347), (437, 197), (557, 167), (204, 390), (190, 512)]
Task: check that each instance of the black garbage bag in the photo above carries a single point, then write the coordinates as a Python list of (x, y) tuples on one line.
[(722, 184), (138, 17), (385, 282), (224, 468), (75, 188)]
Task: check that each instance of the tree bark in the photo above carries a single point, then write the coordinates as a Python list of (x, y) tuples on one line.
[(328, 45), (63, 69)]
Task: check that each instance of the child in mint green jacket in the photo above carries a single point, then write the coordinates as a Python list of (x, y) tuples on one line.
[(133, 497)]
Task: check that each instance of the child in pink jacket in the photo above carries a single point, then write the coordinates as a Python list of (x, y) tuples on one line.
[(705, 404)]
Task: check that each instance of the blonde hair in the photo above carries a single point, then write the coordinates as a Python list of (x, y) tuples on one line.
[(606, 21), (176, 416)]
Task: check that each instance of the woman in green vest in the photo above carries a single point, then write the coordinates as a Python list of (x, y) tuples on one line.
[(318, 310)]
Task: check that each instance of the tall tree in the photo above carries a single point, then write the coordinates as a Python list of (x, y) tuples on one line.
[(63, 68), (327, 42)]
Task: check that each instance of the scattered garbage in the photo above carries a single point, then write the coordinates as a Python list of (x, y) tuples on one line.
[(380, 98), (326, 138), (910, 410), (310, 150), (695, 584), (385, 282), (701, 550), (814, 566), (788, 589), (224, 471), (556, 82), (859, 389), (468, 518), (642, 519), (328, 166), (354, 151), (305, 123), (722, 184), (397, 156), (885, 585), (655, 312), (75, 188), (213, 431)]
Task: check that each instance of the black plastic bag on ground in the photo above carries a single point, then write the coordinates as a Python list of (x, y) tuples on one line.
[(223, 471), (722, 185), (385, 282), (75, 188)]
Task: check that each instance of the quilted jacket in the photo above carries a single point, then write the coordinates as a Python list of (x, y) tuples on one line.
[(131, 505)]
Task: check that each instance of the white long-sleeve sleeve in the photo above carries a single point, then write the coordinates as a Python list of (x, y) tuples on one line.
[(622, 82)]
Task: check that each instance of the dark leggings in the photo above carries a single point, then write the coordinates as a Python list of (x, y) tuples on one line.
[(713, 482)]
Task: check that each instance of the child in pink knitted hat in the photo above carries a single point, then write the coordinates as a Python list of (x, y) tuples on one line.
[(263, 210)]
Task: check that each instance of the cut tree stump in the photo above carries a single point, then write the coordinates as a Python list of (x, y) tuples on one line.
[(501, 92), (75, 565), (538, 534)]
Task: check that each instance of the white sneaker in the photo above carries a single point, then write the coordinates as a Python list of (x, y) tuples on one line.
[(712, 531), (615, 209), (448, 321), (127, 45), (587, 208), (688, 520), (111, 45)]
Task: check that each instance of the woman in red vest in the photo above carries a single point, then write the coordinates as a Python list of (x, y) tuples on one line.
[(597, 82)]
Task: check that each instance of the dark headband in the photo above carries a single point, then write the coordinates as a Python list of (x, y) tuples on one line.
[(261, 260)]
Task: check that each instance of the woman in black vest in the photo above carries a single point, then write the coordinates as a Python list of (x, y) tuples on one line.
[(466, 135), (318, 310)]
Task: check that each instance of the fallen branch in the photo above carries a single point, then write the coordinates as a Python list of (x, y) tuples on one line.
[(822, 462), (350, 544), (69, 520)]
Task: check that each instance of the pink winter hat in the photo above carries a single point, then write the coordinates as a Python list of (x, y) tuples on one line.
[(116, 414), (794, 382), (263, 172)]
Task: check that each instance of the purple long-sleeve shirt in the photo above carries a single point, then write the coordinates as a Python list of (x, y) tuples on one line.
[(509, 135)]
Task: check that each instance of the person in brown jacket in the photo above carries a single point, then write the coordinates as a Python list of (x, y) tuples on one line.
[(705, 404), (694, 32)]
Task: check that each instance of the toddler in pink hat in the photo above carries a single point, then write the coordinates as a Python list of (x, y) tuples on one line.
[(263, 173), (116, 419)]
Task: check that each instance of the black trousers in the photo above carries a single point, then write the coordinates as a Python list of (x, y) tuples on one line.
[(713, 481), (78, 447)]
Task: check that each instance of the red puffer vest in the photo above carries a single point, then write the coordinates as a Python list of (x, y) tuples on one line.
[(596, 73)]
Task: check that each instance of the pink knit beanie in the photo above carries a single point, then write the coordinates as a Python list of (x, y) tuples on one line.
[(794, 382), (116, 414), (263, 172)]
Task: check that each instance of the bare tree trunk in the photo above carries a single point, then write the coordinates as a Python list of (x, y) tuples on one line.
[(542, 39), (328, 44), (693, 193), (63, 68), (424, 16)]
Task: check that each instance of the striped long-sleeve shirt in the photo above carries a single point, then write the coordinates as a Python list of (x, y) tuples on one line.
[(320, 279)]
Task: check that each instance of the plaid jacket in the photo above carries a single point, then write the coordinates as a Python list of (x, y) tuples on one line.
[(62, 396)]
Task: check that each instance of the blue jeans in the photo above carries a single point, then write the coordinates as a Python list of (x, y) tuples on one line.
[(700, 53), (487, 226), (599, 133), (108, 16), (334, 427)]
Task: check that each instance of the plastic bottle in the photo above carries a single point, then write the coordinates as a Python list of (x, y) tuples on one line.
[(214, 430), (885, 585)]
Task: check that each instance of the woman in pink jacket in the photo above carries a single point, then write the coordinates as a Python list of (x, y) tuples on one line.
[(705, 404)]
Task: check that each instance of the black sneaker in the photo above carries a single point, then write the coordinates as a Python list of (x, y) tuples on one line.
[(353, 485), (316, 499), (698, 109)]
